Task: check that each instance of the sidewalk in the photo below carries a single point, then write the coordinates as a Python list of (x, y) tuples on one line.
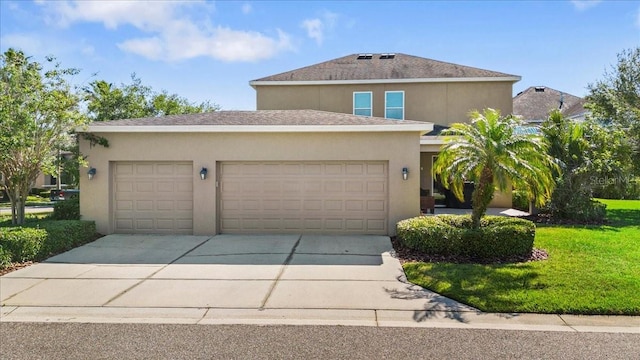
[(340, 317), (28, 210)]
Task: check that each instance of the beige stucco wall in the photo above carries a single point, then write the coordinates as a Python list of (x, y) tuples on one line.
[(207, 149), (440, 103)]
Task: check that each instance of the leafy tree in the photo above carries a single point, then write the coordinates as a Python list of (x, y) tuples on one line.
[(589, 154), (616, 98), (491, 153), (37, 112), (135, 100)]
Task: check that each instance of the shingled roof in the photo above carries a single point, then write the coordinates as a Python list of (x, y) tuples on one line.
[(261, 120), (383, 67), (535, 103)]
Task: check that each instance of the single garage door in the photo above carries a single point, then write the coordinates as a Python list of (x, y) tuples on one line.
[(153, 197), (311, 197)]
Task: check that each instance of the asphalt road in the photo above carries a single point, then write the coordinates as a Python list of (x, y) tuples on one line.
[(143, 341)]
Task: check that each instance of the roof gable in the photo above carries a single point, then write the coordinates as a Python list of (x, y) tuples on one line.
[(359, 67)]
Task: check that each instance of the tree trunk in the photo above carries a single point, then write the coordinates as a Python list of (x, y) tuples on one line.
[(18, 198), (482, 195)]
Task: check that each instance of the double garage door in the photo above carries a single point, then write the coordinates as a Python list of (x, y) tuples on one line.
[(294, 197), (254, 197)]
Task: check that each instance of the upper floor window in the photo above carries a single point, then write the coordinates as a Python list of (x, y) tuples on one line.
[(394, 105), (362, 103)]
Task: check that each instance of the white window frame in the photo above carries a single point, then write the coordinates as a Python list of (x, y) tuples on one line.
[(387, 108), (371, 102)]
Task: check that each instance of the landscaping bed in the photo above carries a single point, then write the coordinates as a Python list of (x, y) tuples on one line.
[(591, 269)]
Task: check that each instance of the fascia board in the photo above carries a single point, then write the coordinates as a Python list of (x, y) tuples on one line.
[(422, 128), (514, 79)]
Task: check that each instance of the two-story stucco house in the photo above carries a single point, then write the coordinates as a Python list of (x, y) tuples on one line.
[(393, 86), (337, 148)]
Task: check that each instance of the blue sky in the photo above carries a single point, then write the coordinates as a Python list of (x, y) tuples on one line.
[(207, 50)]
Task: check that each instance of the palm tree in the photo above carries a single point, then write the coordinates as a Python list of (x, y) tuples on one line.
[(491, 153)]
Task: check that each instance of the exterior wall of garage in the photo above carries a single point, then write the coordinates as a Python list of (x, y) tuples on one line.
[(398, 149)]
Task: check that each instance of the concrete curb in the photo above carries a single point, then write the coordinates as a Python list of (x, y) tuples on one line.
[(341, 317)]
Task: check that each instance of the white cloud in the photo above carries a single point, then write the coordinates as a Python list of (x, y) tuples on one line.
[(314, 29), (171, 32), (318, 27), (223, 44), (581, 5), (246, 8)]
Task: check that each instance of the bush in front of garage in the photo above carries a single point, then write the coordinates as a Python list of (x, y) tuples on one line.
[(67, 209), (23, 244), (64, 235), (498, 238), (5, 258), (40, 240)]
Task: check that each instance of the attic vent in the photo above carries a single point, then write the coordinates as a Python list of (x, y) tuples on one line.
[(387, 56), (539, 88), (365, 56)]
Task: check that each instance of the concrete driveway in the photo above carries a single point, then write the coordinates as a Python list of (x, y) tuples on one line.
[(351, 278)]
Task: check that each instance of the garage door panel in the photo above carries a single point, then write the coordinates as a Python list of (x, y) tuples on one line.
[(376, 187), (153, 197), (124, 205), (186, 205), (292, 169), (123, 169), (376, 169), (376, 224), (355, 169), (375, 205), (144, 169), (125, 224), (165, 186), (335, 197)]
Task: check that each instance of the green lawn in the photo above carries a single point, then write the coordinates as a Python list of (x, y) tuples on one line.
[(590, 270)]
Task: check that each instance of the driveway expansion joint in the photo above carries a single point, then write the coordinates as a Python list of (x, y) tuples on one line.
[(282, 268), (155, 272)]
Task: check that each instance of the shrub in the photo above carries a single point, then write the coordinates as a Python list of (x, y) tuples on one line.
[(497, 238), (520, 200), (37, 191), (67, 209), (23, 244), (65, 235), (5, 257), (42, 239)]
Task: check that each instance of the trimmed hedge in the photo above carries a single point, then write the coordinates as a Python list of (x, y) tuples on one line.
[(23, 244), (67, 209), (497, 238), (38, 241), (5, 258), (64, 235)]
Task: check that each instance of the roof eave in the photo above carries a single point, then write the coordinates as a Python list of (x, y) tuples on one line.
[(422, 128), (255, 83)]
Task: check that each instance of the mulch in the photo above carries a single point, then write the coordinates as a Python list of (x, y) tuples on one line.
[(16, 266), (406, 255)]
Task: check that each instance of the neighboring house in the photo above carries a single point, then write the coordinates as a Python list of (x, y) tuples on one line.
[(393, 86), (534, 104), (265, 171)]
